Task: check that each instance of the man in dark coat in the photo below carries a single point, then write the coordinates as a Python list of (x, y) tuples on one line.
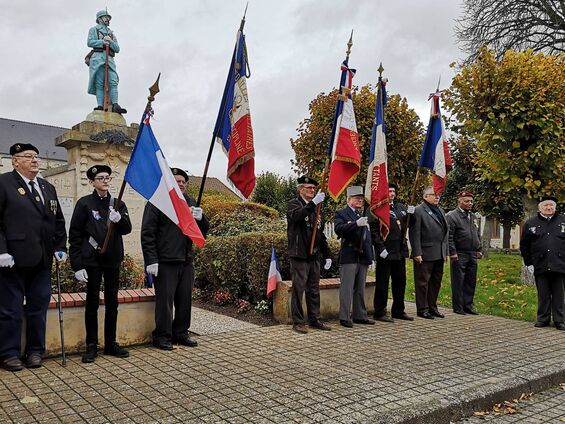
[(429, 241), (355, 256), (464, 250), (391, 260), (305, 267), (91, 218), (32, 230), (169, 257), (543, 248)]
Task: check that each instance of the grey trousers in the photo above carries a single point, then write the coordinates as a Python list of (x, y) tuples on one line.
[(352, 291)]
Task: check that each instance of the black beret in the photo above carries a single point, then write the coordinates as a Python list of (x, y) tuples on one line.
[(22, 147), (93, 171), (178, 171), (306, 180), (392, 185), (552, 198)]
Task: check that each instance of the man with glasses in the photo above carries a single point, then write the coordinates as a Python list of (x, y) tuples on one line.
[(91, 218), (305, 267), (429, 240), (32, 230)]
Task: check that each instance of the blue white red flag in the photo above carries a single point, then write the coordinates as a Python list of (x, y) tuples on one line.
[(150, 175), (233, 127), (435, 153), (376, 186), (344, 144), (274, 274)]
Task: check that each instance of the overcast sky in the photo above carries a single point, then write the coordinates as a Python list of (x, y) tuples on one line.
[(295, 51)]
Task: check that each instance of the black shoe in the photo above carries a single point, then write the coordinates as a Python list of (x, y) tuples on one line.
[(459, 312), (114, 349), (12, 364), (425, 315), (163, 345), (185, 341), (541, 324), (319, 325), (98, 108), (364, 321), (383, 318), (90, 354), (436, 314), (471, 311), (116, 108), (560, 326), (34, 360), (345, 323), (404, 316)]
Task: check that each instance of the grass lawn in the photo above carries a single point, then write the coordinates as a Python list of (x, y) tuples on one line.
[(499, 290)]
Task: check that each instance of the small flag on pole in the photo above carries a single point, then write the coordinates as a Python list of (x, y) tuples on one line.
[(344, 145), (376, 186), (233, 127), (274, 274), (150, 175), (435, 153)]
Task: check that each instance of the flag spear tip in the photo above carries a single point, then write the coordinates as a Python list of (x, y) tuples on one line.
[(153, 90), (243, 19), (349, 44), (380, 70), (438, 82)]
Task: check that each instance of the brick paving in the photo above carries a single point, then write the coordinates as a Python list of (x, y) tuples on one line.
[(411, 372), (544, 407)]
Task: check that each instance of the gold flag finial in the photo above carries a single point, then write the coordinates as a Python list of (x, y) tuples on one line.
[(153, 90), (380, 70), (349, 44)]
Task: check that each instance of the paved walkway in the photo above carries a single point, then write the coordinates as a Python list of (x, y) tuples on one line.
[(411, 372)]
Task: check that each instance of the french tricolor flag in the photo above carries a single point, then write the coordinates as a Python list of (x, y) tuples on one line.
[(274, 274), (435, 153), (150, 175)]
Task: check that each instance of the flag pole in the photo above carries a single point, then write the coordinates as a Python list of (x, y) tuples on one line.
[(328, 157), (153, 90), (216, 128)]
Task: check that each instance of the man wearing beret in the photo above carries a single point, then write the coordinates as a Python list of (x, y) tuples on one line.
[(464, 250), (32, 230), (391, 260), (543, 248), (169, 257), (305, 267), (91, 218), (355, 256), (429, 241)]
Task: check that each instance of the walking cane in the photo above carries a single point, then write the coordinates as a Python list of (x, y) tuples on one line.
[(64, 362)]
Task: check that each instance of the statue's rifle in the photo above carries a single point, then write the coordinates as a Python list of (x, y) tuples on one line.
[(153, 90), (106, 82)]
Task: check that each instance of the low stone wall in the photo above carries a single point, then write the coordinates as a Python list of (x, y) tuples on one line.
[(136, 320), (329, 299)]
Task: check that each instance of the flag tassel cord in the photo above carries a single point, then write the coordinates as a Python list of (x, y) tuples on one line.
[(153, 90), (328, 156)]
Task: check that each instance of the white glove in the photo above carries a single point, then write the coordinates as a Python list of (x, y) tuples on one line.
[(152, 269), (384, 254), (531, 269), (196, 213), (81, 275), (328, 264), (319, 197), (362, 222), (6, 260), (107, 40), (60, 256), (114, 216), (411, 209)]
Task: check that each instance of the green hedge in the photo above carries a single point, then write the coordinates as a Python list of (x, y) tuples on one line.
[(240, 264)]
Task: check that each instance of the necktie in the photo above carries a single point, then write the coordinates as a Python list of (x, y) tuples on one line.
[(34, 192)]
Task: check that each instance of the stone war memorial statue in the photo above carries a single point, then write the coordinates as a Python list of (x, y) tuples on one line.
[(103, 79)]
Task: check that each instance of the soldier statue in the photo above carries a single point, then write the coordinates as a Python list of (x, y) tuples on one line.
[(101, 63)]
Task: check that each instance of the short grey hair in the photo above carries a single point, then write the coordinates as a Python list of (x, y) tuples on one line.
[(428, 187)]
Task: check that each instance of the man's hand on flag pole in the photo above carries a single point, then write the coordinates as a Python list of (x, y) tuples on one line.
[(384, 254), (196, 212), (319, 197), (114, 215), (363, 222), (328, 264), (152, 269), (411, 209)]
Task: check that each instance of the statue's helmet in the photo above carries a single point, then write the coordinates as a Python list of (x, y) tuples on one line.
[(103, 13)]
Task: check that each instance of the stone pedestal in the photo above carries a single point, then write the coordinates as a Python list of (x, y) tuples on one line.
[(103, 138)]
